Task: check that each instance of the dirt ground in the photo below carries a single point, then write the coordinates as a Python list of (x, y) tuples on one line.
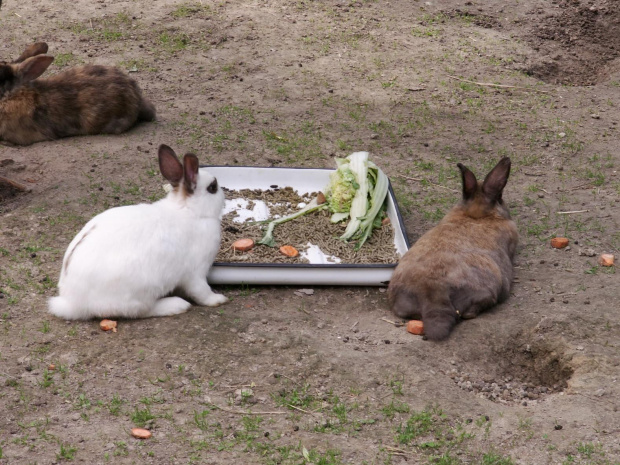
[(279, 377)]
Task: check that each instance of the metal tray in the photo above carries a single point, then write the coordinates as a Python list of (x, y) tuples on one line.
[(303, 180)]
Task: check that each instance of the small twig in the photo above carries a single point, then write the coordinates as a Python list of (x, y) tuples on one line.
[(532, 174), (354, 324), (424, 180), (301, 410), (17, 15), (15, 184), (499, 86), (241, 412), (587, 185), (571, 212), (395, 451), (546, 192), (395, 323), (290, 379), (7, 375), (416, 89)]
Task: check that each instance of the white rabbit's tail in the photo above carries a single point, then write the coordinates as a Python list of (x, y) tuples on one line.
[(62, 308)]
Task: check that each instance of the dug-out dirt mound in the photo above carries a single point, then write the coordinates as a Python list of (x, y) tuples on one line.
[(577, 42)]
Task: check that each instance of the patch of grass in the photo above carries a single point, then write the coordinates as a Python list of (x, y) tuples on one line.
[(140, 417), (298, 145), (296, 397), (420, 31), (492, 458), (173, 42), (48, 379), (64, 59), (419, 424), (189, 9), (114, 405), (121, 449), (391, 409), (67, 452)]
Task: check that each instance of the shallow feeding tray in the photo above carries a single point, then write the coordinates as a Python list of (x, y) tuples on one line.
[(304, 181)]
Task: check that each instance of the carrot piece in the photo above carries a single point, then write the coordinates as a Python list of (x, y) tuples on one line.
[(243, 245), (141, 433), (415, 327), (289, 251), (559, 242), (606, 259), (108, 325)]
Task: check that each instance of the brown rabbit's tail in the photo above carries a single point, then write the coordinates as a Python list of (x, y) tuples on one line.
[(439, 321), (146, 112)]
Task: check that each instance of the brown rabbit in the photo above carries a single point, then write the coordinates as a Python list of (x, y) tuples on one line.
[(464, 264), (89, 99)]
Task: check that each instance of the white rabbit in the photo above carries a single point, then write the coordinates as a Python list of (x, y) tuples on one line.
[(127, 260)]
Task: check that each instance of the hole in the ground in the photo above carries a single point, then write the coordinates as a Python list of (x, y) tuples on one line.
[(9, 194), (575, 42), (523, 370)]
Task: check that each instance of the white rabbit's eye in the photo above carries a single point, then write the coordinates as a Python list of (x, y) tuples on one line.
[(212, 188)]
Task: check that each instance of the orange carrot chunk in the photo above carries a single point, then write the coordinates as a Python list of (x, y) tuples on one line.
[(415, 327), (289, 251), (141, 433), (606, 259), (108, 325), (243, 245), (559, 242)]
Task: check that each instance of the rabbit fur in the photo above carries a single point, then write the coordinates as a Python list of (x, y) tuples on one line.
[(463, 265), (126, 260), (89, 99)]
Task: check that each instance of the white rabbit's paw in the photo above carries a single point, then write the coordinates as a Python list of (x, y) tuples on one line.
[(215, 299)]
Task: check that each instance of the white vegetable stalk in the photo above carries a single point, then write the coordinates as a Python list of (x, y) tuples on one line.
[(358, 163), (376, 206)]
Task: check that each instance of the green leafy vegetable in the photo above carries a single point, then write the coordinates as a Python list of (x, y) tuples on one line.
[(357, 190)]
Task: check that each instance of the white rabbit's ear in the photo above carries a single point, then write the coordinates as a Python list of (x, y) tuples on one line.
[(33, 67), (190, 167), (169, 165)]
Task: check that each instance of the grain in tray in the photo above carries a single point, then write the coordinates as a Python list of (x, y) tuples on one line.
[(315, 228)]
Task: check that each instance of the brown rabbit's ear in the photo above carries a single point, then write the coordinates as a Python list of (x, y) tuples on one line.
[(190, 167), (38, 48), (496, 180), (169, 165), (33, 67), (470, 184)]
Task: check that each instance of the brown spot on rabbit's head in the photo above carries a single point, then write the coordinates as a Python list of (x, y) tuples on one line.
[(169, 165), (183, 177), (190, 169), (485, 199)]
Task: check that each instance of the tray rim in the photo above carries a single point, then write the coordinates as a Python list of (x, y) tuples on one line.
[(330, 266)]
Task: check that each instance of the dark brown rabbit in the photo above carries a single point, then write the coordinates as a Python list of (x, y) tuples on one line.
[(464, 264), (84, 100)]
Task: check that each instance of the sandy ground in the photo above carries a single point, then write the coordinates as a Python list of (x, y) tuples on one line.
[(275, 377)]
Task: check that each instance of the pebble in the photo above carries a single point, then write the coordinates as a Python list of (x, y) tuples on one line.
[(587, 252)]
